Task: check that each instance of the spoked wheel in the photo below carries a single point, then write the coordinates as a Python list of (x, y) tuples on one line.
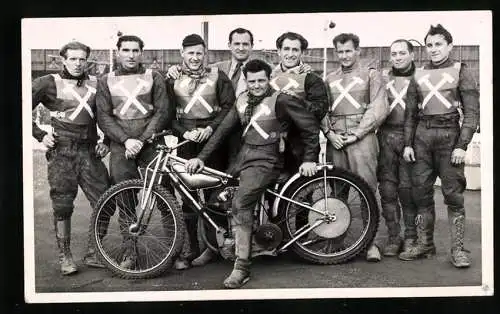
[(131, 250), (344, 220)]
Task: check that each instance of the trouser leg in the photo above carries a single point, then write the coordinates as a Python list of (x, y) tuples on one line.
[(253, 182)]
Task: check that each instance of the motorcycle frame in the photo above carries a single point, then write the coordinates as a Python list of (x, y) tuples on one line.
[(162, 163)]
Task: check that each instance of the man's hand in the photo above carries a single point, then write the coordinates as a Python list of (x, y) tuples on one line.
[(409, 154), (289, 92), (308, 168), (48, 140), (132, 147), (174, 72), (205, 133), (349, 139), (305, 68), (101, 150), (194, 165), (458, 156), (337, 140), (192, 135)]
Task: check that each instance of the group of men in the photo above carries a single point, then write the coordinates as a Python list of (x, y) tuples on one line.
[(398, 129)]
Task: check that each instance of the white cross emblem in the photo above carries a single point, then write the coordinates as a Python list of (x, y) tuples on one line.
[(344, 92), (264, 110), (290, 85), (132, 97), (83, 101), (398, 97), (197, 96), (434, 90)]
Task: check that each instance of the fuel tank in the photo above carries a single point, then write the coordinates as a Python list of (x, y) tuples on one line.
[(195, 181)]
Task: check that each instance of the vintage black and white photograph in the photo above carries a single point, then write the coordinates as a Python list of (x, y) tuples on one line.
[(257, 156)]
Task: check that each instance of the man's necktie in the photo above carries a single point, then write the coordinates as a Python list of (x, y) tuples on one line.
[(236, 75)]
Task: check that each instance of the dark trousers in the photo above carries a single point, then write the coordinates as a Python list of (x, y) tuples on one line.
[(71, 164), (394, 183), (121, 168), (433, 147), (257, 167), (218, 160)]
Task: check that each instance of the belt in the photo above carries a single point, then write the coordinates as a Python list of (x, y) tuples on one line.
[(440, 121), (69, 141)]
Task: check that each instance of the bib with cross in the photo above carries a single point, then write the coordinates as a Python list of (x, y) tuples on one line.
[(78, 101), (438, 88), (131, 95)]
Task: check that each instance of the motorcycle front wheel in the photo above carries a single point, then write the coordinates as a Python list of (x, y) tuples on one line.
[(137, 251)]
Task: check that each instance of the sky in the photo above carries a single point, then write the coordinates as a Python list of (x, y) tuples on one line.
[(167, 32)]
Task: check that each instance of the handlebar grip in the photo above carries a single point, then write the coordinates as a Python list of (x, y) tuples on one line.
[(162, 133)]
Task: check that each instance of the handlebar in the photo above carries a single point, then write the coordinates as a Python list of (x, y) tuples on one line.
[(156, 135)]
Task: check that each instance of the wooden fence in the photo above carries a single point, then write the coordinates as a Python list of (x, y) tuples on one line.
[(46, 61)]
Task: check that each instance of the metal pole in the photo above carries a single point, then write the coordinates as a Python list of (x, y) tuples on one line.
[(205, 38), (325, 54)]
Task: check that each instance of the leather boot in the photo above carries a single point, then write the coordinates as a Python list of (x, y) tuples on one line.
[(90, 259), (424, 246), (205, 258), (241, 271), (395, 242), (459, 256), (63, 238)]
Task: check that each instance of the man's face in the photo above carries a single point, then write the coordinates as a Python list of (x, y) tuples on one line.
[(401, 58), (290, 53), (193, 56), (75, 61), (240, 46), (257, 83), (347, 54), (129, 54), (437, 48)]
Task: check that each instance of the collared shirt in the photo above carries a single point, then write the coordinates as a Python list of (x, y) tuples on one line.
[(241, 86)]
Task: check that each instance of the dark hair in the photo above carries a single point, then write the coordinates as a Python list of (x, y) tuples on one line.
[(75, 45), (292, 36), (345, 37), (257, 65), (129, 38), (439, 30), (407, 42), (240, 30)]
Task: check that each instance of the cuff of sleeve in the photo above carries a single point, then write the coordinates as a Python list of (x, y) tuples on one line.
[(358, 134), (214, 126), (123, 138), (461, 145), (39, 137)]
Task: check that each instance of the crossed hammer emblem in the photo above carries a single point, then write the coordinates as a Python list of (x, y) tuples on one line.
[(132, 97), (292, 84), (398, 97), (434, 90), (83, 101), (197, 96), (344, 92), (263, 110)]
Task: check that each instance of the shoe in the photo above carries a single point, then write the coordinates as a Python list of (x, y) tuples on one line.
[(90, 259), (204, 258), (239, 276), (417, 252), (181, 264), (393, 246), (373, 254), (460, 259), (128, 261)]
